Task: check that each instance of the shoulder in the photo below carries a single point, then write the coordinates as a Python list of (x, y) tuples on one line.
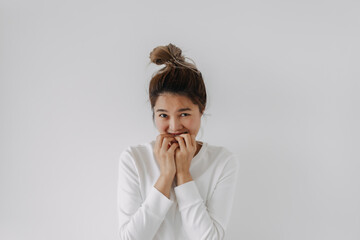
[(140, 148), (137, 152), (219, 151), (222, 154)]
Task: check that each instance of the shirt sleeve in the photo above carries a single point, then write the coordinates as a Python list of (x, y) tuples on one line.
[(208, 222), (138, 218)]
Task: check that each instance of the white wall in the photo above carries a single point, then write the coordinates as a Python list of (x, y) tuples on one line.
[(283, 86)]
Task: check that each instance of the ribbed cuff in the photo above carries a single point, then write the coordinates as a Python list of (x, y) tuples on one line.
[(187, 194)]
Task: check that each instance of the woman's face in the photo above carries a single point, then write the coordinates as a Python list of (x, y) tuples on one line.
[(176, 114)]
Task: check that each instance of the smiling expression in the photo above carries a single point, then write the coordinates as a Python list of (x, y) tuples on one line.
[(176, 114)]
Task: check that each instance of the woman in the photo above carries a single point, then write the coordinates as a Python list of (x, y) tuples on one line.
[(176, 187)]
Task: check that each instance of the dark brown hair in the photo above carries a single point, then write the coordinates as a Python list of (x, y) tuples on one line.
[(177, 77)]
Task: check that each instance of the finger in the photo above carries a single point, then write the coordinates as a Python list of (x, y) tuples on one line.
[(181, 142), (187, 139), (166, 135), (158, 141), (165, 143), (193, 140), (173, 147)]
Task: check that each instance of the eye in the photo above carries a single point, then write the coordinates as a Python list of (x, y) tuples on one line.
[(184, 115), (163, 115)]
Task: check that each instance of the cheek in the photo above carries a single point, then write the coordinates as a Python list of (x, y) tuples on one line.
[(192, 124), (161, 125)]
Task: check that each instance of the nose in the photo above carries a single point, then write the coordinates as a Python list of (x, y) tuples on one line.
[(175, 124)]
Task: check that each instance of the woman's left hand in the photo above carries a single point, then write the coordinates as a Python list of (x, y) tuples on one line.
[(183, 156)]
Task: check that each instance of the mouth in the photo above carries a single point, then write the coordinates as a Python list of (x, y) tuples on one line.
[(178, 133), (175, 135)]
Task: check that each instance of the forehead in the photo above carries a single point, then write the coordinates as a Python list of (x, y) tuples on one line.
[(170, 101)]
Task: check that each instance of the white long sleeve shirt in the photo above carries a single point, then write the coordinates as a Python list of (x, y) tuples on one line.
[(199, 209)]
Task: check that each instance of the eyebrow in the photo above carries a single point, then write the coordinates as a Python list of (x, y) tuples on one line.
[(180, 110)]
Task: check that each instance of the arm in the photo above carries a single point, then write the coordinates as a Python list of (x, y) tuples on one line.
[(138, 218), (208, 222)]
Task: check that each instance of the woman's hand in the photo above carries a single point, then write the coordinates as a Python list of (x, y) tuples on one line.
[(183, 156), (164, 151)]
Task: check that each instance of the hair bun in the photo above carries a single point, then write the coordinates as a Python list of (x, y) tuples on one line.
[(178, 77), (169, 54)]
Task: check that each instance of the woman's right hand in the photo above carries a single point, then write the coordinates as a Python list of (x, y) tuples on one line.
[(164, 151)]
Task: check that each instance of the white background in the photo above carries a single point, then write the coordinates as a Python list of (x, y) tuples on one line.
[(283, 85)]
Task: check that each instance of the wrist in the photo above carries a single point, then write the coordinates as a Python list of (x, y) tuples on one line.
[(164, 184), (167, 176), (182, 178)]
